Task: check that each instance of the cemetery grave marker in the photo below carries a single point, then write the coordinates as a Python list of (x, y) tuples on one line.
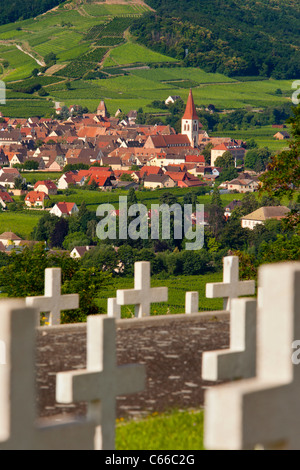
[(53, 302), (142, 295), (102, 381), (263, 411), (231, 287), (19, 428), (191, 302), (239, 361)]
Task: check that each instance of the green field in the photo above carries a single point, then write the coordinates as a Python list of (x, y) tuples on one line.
[(21, 223)]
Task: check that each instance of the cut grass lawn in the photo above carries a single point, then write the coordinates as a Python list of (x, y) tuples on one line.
[(176, 430)]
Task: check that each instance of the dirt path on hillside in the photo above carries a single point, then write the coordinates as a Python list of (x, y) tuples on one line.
[(39, 62)]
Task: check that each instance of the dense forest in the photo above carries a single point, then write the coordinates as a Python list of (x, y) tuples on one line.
[(226, 36), (24, 9)]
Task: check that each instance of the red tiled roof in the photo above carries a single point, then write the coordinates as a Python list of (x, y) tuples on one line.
[(48, 183), (34, 196), (65, 207), (195, 159)]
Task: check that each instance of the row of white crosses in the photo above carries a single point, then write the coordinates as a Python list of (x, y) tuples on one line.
[(262, 410), (142, 296), (98, 385)]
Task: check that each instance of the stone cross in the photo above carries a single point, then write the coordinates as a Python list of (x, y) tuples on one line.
[(238, 362), (53, 302), (113, 309), (191, 302), (264, 412), (231, 287), (102, 381), (142, 295), (19, 428)]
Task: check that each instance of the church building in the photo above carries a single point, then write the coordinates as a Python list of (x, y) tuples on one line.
[(190, 122)]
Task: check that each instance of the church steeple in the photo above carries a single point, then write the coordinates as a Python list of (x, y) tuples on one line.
[(190, 121), (190, 110)]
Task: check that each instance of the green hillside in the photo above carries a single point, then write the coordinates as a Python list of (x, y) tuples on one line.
[(227, 36), (82, 52)]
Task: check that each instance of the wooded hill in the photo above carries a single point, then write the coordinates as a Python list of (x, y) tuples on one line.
[(226, 36), (24, 9)]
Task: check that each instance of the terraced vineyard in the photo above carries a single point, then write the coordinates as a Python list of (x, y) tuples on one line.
[(95, 52)]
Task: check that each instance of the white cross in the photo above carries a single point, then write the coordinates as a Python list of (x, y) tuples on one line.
[(191, 302), (113, 309), (142, 295), (19, 429), (264, 411), (231, 287), (102, 381), (238, 362), (53, 302)]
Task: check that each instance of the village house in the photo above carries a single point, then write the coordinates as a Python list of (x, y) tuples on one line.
[(159, 181), (79, 251), (10, 238), (241, 185), (167, 141), (172, 99), (282, 135), (36, 199), (8, 137), (66, 180), (264, 213), (230, 207), (64, 209), (115, 163), (47, 187), (5, 199), (235, 148)]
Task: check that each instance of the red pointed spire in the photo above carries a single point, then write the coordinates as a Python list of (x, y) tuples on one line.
[(190, 110)]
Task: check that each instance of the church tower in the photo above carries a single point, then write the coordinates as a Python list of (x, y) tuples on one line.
[(102, 110), (190, 121)]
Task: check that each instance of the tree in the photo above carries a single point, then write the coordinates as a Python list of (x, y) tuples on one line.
[(283, 171), (207, 153), (226, 161), (126, 177), (75, 239), (45, 227), (59, 233), (20, 184), (216, 198), (257, 159), (131, 198)]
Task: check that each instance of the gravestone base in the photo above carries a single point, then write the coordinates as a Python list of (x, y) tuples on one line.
[(169, 346)]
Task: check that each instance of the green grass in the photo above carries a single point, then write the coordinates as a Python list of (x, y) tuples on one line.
[(262, 135), (21, 223), (131, 53), (176, 430), (41, 175), (177, 285)]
